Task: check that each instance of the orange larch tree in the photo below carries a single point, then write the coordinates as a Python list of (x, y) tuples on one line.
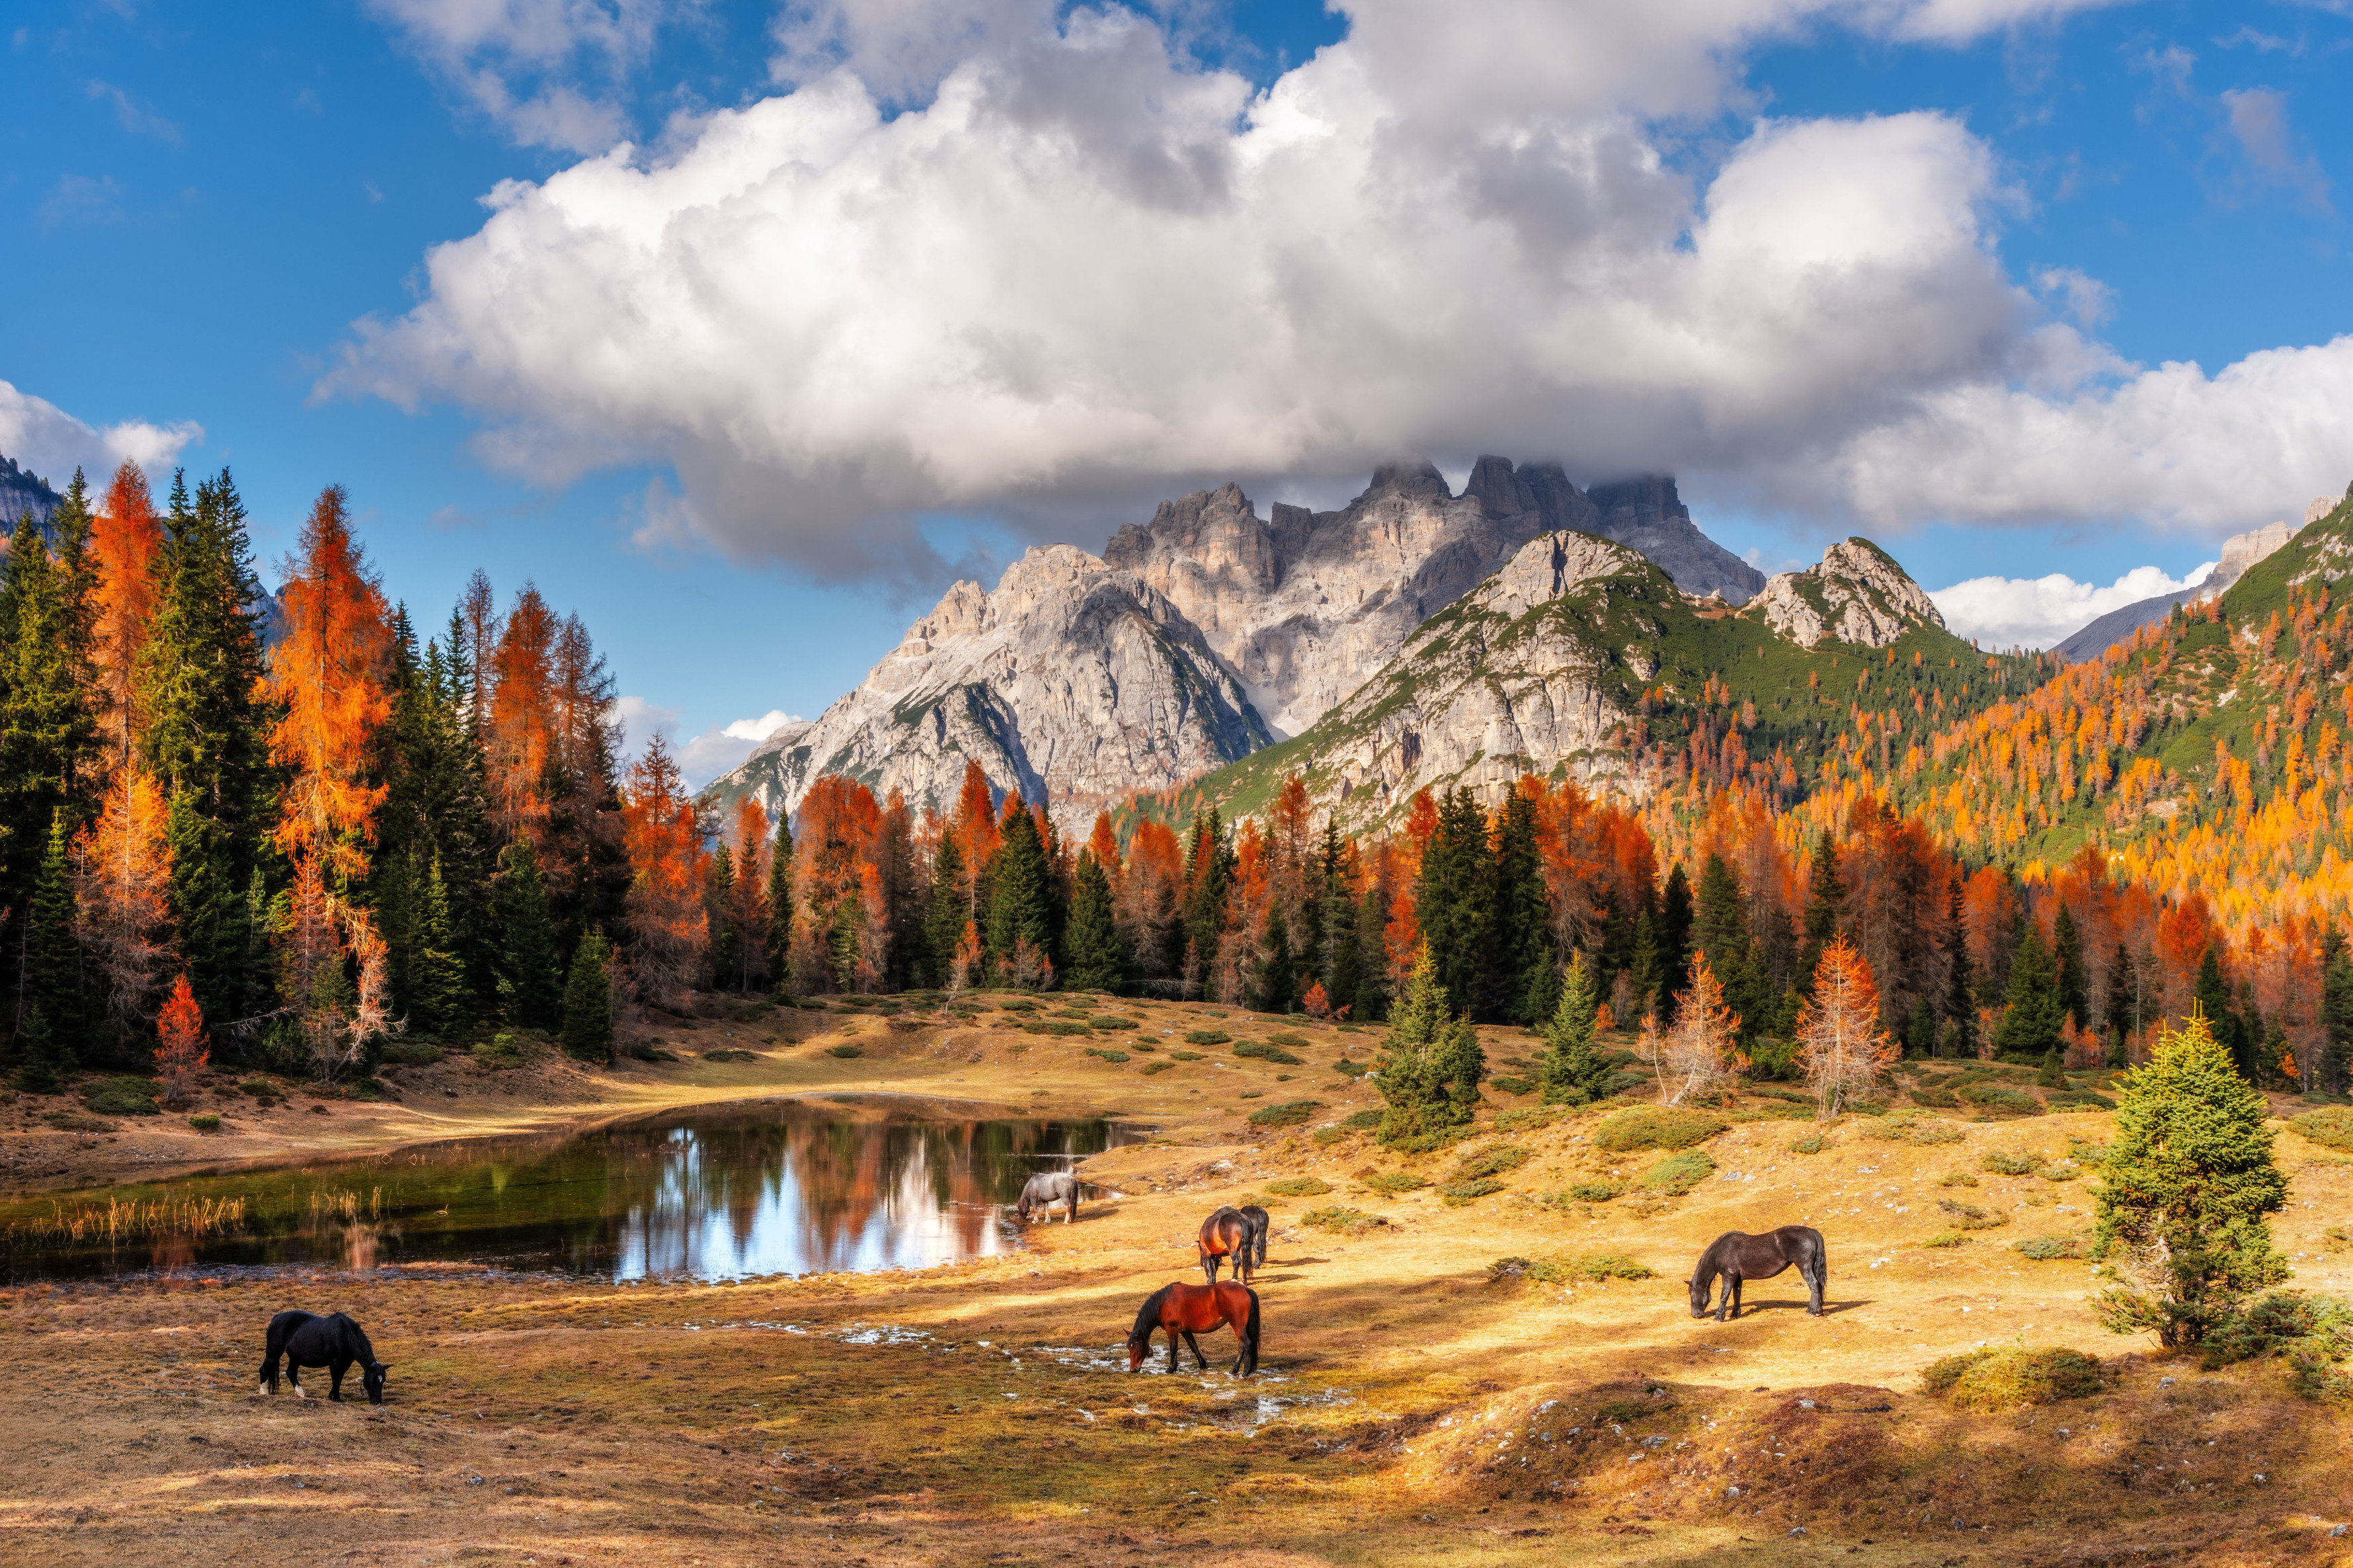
[(1841, 1045), (180, 1048), (124, 539), (123, 871), (668, 933)]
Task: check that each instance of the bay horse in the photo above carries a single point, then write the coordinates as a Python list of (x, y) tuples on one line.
[(306, 1339), (1258, 1221), (1738, 1256), (1045, 1190), (1187, 1310), (1225, 1238)]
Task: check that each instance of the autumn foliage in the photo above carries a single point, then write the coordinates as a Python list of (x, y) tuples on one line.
[(1840, 1046), (181, 1051)]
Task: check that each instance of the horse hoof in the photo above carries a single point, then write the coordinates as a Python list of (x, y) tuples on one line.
[(262, 1393)]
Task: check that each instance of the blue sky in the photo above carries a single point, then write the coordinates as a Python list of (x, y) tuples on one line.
[(201, 202)]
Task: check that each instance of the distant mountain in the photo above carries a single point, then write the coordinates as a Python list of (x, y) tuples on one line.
[(1196, 638), (2240, 552), (1581, 657), (23, 491)]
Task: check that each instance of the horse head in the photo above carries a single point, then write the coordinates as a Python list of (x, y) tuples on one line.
[(371, 1379), (1702, 1287), (1137, 1348)]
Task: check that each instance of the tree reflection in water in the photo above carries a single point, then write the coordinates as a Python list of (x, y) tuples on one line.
[(777, 1189)]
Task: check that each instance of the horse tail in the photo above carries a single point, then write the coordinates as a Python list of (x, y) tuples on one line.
[(1250, 1334), (1147, 1317)]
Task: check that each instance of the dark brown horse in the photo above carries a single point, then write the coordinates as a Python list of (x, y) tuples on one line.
[(1227, 1237), (1259, 1222), (1188, 1309), (1738, 1256)]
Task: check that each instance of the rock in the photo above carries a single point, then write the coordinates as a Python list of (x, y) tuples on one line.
[(1857, 595), (1647, 514)]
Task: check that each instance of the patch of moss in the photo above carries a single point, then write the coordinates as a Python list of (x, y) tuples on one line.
[(1665, 1127), (2008, 1377), (1455, 1194), (1678, 1174), (1299, 1187), (1289, 1114), (1395, 1181)]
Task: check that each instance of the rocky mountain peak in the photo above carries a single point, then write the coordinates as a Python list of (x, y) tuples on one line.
[(24, 493), (1857, 594)]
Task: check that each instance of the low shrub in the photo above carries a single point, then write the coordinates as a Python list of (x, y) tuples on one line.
[(1595, 1191), (260, 1088), (2331, 1126), (1299, 1187), (1252, 1094), (2043, 1249), (1512, 1085), (1455, 1194), (2062, 1171), (1678, 1174), (124, 1096), (1937, 1099), (1968, 1217), (1296, 1042), (1055, 1026), (1325, 1136), (1947, 1238), (1017, 1005), (1395, 1181), (1522, 1118), (1956, 1179), (1492, 1161), (409, 1050), (1113, 1021), (2336, 1238), (1811, 1143), (2085, 1152), (1264, 1052), (728, 1056), (2001, 1162), (501, 1052), (1363, 1122), (205, 1123), (2081, 1100), (1207, 1038), (1142, 1045), (68, 1121), (2008, 1377), (2313, 1334), (845, 1052), (1291, 1113), (1348, 1067), (1995, 1100), (1342, 1221), (1562, 1269), (1106, 1054), (1665, 1127), (1148, 1069), (1187, 1056), (1911, 1127)]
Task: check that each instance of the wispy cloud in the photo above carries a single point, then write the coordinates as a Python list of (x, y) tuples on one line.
[(2257, 118), (133, 116), (551, 73), (80, 201)]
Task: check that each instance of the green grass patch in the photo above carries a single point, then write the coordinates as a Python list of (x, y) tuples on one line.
[(1299, 1187), (1392, 1183), (1455, 1194), (2331, 1126), (2008, 1377), (1668, 1127), (1342, 1221), (2043, 1249), (1677, 1174), (1514, 1086), (1291, 1113), (124, 1096), (845, 1052)]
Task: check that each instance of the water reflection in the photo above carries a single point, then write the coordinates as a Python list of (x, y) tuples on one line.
[(779, 1188)]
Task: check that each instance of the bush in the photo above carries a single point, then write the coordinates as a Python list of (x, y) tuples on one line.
[(1956, 1179), (2313, 1333), (1678, 1174), (1811, 1143), (207, 1123), (1455, 1194), (1512, 1085), (1187, 1056), (1207, 1038), (2062, 1171), (1289, 1114), (1142, 1045), (1947, 1238), (1055, 1027), (1395, 1181), (1106, 1054), (2043, 1249), (2002, 1163), (1670, 1127), (501, 1052), (1265, 1052), (845, 1052), (1327, 1136), (2081, 1100), (1561, 1268), (1937, 1099), (1299, 1187), (1296, 1042), (124, 1096), (1911, 1127), (1525, 1117), (2006, 1378), (1595, 1191), (1492, 1161), (1342, 1221), (409, 1050), (2083, 1152), (1968, 1217), (1148, 1069), (1017, 1005), (728, 1056), (2331, 1126), (1348, 1067), (1994, 1100), (1113, 1021), (1363, 1122)]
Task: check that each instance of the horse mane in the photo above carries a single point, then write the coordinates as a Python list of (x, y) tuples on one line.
[(1147, 1317), (367, 1351)]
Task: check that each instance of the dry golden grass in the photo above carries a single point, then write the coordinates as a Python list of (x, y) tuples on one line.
[(1411, 1410)]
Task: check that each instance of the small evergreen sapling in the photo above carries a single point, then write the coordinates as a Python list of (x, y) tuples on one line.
[(2183, 1192), (1573, 1072), (588, 1001), (1429, 1070)]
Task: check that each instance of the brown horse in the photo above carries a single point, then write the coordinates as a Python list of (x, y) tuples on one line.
[(1188, 1309), (1738, 1256), (1227, 1237)]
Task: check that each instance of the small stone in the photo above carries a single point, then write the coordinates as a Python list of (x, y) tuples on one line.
[(1799, 1530)]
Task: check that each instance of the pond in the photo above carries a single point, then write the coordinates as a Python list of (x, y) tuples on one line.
[(777, 1186)]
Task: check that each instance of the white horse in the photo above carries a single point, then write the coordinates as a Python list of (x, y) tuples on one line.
[(1044, 1191)]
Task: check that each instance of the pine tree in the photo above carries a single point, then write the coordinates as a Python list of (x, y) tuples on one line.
[(1017, 912), (1271, 977), (2212, 998), (529, 986), (1720, 919), (2328, 1074), (1572, 1072), (1673, 932), (726, 949), (1648, 965), (1453, 896), (2033, 1011), (440, 999), (2183, 1192), (945, 911), (1960, 984), (1208, 867), (1519, 946), (1429, 1067), (52, 958), (587, 1031), (1097, 961), (2124, 1004), (1825, 905), (1371, 997), (42, 1062), (2067, 955), (779, 934)]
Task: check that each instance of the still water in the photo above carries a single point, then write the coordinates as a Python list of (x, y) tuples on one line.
[(777, 1187)]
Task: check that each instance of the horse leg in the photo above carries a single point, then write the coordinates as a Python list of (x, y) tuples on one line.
[(1817, 1277), (335, 1369), (1736, 1284), (273, 1343), (1195, 1346), (1172, 1352), (1723, 1305), (294, 1374)]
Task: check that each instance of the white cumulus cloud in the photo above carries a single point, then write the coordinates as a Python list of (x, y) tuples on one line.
[(547, 71), (701, 758), (1076, 269), (2038, 612), (52, 443)]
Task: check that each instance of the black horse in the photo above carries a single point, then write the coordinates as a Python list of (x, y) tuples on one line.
[(306, 1339), (1738, 1256), (1042, 1191), (1257, 1223), (1227, 1238)]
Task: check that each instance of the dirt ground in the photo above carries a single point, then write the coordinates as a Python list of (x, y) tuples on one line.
[(1409, 1408)]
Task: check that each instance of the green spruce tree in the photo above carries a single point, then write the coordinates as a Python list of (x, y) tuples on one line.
[(1271, 976), (726, 950), (1960, 982), (2032, 1012), (1673, 932), (1453, 896), (1825, 907), (1017, 908), (1519, 942), (441, 1002), (2067, 960), (1428, 1071), (530, 988), (1572, 1072), (779, 934), (1098, 958), (587, 1031)]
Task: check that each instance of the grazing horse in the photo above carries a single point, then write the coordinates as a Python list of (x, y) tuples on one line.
[(1189, 1309), (1738, 1256), (1225, 1238), (1046, 1189), (1258, 1221), (306, 1339)]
